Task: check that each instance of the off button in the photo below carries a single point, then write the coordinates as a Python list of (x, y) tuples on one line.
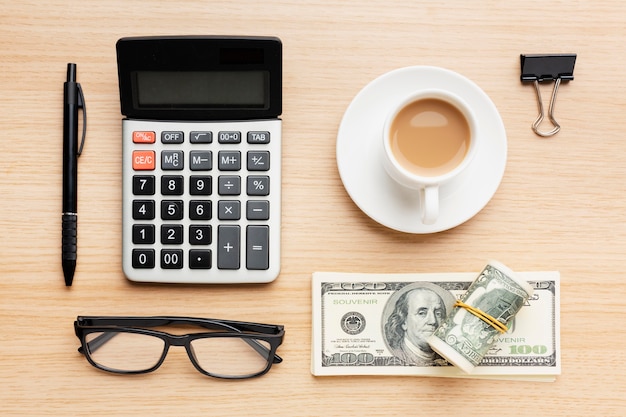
[(172, 137)]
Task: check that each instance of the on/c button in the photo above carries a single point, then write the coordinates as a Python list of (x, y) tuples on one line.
[(144, 137), (143, 160)]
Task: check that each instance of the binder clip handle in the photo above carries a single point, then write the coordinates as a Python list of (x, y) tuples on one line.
[(540, 117), (539, 68)]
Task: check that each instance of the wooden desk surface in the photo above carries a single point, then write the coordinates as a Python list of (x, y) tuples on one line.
[(560, 206)]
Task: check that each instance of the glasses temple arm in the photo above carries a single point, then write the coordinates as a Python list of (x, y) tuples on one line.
[(98, 342), (262, 350)]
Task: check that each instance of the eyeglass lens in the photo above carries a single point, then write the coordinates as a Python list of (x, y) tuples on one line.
[(230, 356), (125, 352)]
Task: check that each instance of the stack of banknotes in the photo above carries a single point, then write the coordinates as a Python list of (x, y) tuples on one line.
[(376, 324)]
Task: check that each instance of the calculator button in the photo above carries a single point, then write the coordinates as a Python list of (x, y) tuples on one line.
[(200, 137), (171, 234), (229, 185), (144, 137), (172, 185), (228, 247), (143, 185), (143, 210), (258, 137), (229, 137), (172, 210), (228, 210), (200, 210), (171, 259), (258, 185), (229, 160), (199, 259), (200, 160), (258, 161), (200, 185), (257, 247), (143, 160), (258, 210), (143, 234), (143, 258), (200, 235), (172, 137), (172, 160)]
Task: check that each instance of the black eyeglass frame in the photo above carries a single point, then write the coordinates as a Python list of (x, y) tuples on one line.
[(272, 334)]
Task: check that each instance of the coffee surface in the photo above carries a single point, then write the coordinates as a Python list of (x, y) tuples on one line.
[(430, 137)]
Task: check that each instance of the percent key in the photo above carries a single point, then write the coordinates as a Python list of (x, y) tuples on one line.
[(258, 185)]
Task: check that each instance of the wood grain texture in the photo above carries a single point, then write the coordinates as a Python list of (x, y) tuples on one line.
[(560, 205)]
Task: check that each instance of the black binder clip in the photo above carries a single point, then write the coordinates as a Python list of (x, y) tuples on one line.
[(540, 68)]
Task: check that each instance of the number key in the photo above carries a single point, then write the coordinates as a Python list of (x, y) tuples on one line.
[(172, 185), (143, 185), (143, 234), (171, 210), (200, 234), (200, 185), (171, 259), (171, 234), (143, 258), (200, 209), (143, 209)]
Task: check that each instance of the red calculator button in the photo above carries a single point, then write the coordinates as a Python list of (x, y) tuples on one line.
[(144, 137), (143, 160)]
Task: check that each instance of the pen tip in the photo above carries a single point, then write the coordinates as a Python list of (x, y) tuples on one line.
[(68, 272)]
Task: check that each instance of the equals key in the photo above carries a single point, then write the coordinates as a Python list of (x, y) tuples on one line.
[(257, 247)]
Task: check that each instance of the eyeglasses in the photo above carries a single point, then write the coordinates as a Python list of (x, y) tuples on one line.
[(231, 349)]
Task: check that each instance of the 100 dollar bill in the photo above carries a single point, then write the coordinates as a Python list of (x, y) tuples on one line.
[(373, 324)]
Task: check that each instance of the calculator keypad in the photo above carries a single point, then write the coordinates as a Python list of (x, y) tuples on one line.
[(201, 201)]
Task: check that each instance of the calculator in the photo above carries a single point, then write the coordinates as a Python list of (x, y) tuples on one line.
[(201, 158)]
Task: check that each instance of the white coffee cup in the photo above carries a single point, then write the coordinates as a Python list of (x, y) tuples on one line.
[(429, 139)]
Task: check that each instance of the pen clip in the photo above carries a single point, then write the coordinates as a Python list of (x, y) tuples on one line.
[(81, 105)]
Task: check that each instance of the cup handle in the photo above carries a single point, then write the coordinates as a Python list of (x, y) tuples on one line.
[(430, 204)]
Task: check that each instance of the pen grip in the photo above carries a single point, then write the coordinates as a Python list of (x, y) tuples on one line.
[(68, 239)]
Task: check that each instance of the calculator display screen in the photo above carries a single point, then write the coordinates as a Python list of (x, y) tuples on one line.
[(200, 77), (202, 89)]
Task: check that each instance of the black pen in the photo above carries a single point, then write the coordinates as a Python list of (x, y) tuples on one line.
[(73, 100)]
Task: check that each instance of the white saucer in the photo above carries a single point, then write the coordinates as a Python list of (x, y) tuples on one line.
[(359, 149)]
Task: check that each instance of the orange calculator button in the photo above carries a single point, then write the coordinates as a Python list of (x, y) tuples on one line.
[(143, 160), (144, 137)]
